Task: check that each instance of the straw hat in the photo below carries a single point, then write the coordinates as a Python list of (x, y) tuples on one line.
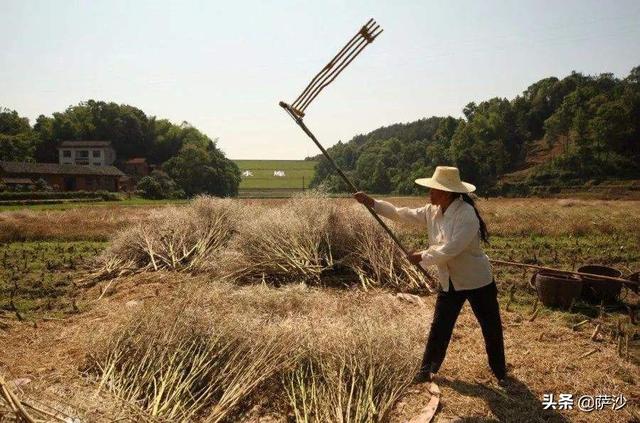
[(446, 178)]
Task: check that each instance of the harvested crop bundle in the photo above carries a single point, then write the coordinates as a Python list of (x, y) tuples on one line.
[(310, 238), (371, 254), (352, 368), (286, 243), (174, 238), (213, 354), (175, 362)]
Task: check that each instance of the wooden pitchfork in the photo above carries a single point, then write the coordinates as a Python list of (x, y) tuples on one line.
[(326, 76)]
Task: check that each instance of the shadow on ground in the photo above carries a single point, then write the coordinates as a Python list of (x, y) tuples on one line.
[(517, 404)]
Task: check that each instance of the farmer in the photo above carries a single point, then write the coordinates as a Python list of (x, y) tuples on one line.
[(455, 229)]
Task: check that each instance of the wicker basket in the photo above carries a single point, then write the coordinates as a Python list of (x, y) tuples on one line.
[(556, 289), (597, 290)]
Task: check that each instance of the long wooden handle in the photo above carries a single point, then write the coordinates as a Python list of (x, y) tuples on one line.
[(568, 272), (351, 185)]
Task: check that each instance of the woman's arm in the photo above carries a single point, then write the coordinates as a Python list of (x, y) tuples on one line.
[(388, 210)]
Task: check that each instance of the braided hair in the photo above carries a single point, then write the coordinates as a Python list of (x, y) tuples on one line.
[(484, 233)]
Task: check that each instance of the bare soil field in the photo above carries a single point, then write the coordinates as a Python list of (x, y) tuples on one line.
[(189, 342)]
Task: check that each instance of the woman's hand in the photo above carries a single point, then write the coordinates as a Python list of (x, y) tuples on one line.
[(364, 199), (415, 257)]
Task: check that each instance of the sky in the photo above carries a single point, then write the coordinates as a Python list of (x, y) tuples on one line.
[(223, 66)]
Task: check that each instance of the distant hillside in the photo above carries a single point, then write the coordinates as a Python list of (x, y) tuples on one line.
[(558, 132), (190, 158)]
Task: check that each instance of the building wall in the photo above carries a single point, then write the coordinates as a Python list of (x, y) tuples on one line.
[(110, 156), (100, 156)]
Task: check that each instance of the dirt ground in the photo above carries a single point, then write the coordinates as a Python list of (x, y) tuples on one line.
[(545, 357), (43, 357)]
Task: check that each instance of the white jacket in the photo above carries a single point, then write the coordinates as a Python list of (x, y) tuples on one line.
[(454, 241)]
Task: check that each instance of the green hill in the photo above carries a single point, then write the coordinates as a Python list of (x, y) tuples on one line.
[(567, 132)]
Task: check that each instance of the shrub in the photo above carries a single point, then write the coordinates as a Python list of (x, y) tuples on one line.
[(41, 185), (158, 186), (109, 196)]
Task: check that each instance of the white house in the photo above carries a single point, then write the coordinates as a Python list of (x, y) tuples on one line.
[(93, 153)]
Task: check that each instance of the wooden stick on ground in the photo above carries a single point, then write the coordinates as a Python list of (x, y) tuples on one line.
[(577, 325), (427, 413), (14, 402), (535, 314), (7, 398), (594, 336), (46, 413), (588, 353)]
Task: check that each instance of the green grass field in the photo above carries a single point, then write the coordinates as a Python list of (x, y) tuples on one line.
[(298, 174)]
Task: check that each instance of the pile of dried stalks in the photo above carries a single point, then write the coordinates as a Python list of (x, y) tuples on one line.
[(174, 364), (287, 243), (371, 254), (309, 238), (344, 376), (316, 355), (174, 238)]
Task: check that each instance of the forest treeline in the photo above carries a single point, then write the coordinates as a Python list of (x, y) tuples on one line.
[(189, 162), (585, 128), (557, 132)]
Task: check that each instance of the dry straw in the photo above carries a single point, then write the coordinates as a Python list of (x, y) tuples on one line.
[(287, 243), (372, 254), (321, 356), (174, 238), (309, 238)]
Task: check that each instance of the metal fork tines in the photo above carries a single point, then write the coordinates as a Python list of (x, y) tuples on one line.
[(328, 74)]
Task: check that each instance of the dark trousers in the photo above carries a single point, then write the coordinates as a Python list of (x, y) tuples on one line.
[(484, 303)]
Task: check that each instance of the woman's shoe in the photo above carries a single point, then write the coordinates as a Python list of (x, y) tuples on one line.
[(422, 377)]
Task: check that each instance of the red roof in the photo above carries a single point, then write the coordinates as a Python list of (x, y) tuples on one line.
[(136, 160)]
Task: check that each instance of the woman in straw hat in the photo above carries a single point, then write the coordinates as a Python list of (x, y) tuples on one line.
[(455, 229)]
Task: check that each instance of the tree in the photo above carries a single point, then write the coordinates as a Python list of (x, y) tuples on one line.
[(197, 170), (131, 132), (12, 124), (469, 110), (17, 140), (634, 76), (17, 148), (157, 186), (46, 149)]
